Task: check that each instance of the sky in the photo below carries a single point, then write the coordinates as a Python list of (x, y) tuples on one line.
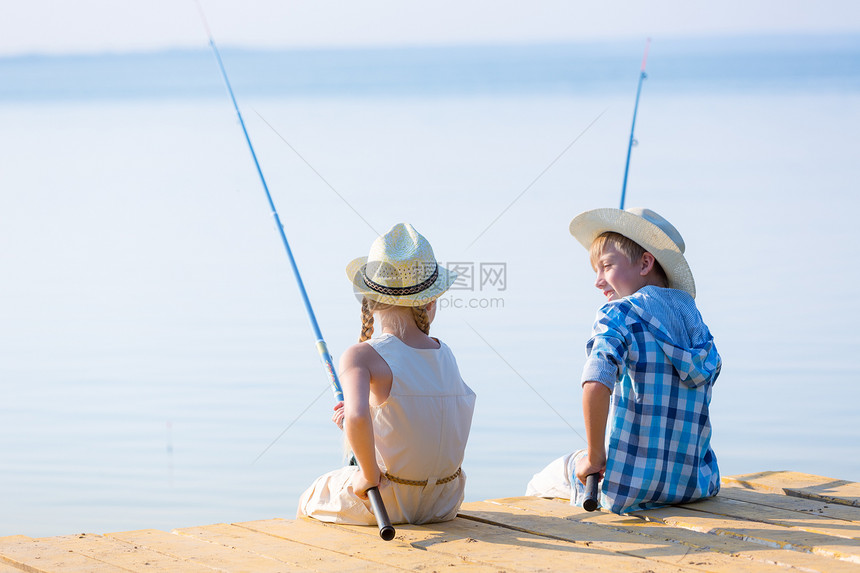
[(95, 26)]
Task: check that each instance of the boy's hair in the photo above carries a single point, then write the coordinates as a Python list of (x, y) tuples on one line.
[(368, 307), (629, 248)]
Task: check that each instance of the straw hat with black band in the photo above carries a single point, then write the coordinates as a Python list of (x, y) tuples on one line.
[(646, 228), (400, 269)]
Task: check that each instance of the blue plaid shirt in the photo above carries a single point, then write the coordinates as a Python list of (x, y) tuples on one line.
[(652, 350)]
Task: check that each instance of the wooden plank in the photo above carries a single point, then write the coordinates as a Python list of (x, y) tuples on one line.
[(630, 523), (521, 551), (513, 549), (657, 548), (810, 522), (128, 556), (6, 566), (756, 531), (199, 555), (797, 504), (360, 545), (800, 485), (758, 523), (298, 555), (462, 542), (49, 555)]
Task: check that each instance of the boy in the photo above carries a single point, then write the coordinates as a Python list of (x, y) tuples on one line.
[(652, 353)]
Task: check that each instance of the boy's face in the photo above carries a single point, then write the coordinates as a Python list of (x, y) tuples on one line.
[(617, 277)]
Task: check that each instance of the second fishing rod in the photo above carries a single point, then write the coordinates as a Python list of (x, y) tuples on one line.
[(592, 482)]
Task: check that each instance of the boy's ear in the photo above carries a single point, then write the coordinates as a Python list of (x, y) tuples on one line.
[(646, 264)]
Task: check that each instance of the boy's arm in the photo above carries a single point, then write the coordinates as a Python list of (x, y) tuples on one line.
[(595, 409)]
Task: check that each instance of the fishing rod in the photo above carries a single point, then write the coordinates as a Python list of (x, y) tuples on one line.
[(592, 481), (386, 530), (642, 76)]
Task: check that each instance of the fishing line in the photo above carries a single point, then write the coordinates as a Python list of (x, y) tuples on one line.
[(290, 425), (642, 76), (529, 186), (557, 413), (535, 180), (300, 156)]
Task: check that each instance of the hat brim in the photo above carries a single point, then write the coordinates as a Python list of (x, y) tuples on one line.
[(355, 273), (587, 226)]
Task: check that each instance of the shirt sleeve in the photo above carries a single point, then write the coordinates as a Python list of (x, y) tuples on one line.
[(606, 350)]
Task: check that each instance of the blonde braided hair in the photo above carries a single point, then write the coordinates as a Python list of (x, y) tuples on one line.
[(366, 320), (422, 320)]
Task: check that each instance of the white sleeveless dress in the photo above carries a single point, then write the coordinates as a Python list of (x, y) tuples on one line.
[(420, 433)]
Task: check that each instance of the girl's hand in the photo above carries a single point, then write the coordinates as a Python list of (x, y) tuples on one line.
[(584, 468), (360, 484), (337, 417)]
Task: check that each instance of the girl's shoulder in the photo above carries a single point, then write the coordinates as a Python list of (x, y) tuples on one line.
[(359, 354)]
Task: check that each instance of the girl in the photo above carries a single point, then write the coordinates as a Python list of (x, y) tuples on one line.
[(406, 412)]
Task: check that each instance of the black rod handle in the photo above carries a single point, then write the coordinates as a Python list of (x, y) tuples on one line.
[(591, 492), (386, 530)]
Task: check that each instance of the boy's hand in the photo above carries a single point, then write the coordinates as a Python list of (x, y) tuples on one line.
[(584, 468), (337, 417)]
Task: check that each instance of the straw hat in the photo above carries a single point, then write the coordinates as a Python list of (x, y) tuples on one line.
[(645, 227), (400, 269)]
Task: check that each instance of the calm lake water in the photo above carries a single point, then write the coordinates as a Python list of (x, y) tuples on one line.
[(152, 339)]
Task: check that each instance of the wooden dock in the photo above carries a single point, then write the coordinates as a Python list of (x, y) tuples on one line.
[(769, 521)]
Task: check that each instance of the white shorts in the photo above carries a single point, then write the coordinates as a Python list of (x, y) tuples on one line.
[(558, 479)]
